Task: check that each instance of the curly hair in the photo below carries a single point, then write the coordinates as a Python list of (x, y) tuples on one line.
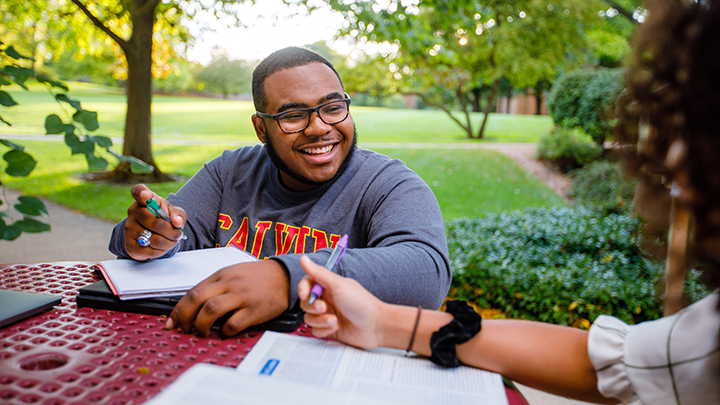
[(673, 89)]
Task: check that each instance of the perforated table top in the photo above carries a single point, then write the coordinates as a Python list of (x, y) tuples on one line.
[(85, 356)]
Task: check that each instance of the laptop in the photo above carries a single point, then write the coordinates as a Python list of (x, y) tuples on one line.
[(99, 296), (18, 305)]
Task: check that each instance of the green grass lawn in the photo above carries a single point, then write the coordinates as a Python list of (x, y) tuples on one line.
[(467, 182), (473, 182), (229, 120)]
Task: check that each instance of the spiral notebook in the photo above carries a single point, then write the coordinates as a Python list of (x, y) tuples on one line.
[(131, 279)]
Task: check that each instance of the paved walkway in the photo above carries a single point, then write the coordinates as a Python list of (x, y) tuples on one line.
[(72, 236), (76, 237)]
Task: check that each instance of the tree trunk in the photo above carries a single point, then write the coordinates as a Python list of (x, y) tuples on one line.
[(475, 99), (538, 90), (139, 88), (139, 97), (488, 108), (509, 99), (138, 53), (538, 103), (138, 130)]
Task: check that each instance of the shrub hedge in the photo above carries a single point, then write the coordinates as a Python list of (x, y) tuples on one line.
[(564, 98), (560, 265), (567, 149), (600, 186), (598, 102), (584, 99)]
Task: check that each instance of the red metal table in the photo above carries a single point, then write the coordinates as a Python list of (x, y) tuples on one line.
[(86, 356)]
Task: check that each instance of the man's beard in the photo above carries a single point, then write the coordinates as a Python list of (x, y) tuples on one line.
[(283, 167)]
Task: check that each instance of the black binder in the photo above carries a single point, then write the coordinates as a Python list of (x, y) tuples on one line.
[(98, 295), (18, 305)]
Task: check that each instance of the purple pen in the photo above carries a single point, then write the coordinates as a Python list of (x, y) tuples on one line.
[(337, 253)]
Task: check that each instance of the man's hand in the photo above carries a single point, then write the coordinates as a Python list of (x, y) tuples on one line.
[(165, 235), (255, 291)]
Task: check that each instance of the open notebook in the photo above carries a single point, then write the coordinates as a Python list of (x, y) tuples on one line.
[(130, 279)]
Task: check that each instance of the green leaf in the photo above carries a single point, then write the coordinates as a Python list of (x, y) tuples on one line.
[(95, 163), (20, 163), (11, 52), (64, 98), (73, 142), (79, 146), (101, 141), (87, 118), (6, 99), (69, 129), (137, 166), (11, 145), (44, 79), (8, 232), (5, 122), (53, 125), (87, 147), (31, 206), (116, 155), (19, 75), (31, 225)]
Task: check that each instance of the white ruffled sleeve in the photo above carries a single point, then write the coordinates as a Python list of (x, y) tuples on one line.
[(606, 348), (669, 361)]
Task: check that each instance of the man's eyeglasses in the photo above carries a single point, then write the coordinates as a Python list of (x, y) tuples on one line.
[(297, 120)]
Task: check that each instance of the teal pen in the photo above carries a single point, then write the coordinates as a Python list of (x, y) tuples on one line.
[(337, 253), (156, 209)]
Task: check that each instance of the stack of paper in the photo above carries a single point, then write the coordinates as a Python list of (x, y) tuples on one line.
[(130, 279), (290, 369)]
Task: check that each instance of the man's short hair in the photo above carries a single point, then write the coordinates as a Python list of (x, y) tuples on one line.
[(280, 60)]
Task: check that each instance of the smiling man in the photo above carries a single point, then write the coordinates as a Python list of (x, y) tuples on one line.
[(297, 193)]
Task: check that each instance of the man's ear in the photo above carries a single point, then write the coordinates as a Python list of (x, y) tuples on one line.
[(259, 126)]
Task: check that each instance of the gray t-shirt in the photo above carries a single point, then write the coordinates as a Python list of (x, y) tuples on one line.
[(397, 247)]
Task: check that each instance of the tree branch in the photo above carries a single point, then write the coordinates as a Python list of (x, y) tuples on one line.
[(622, 10), (464, 103), (99, 24), (442, 107)]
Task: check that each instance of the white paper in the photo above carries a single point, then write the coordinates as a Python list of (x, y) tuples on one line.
[(172, 276), (218, 385), (379, 374)]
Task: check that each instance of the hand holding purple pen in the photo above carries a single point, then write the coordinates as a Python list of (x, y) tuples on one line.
[(337, 253)]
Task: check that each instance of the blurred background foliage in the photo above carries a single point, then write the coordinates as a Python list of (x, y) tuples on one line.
[(516, 247)]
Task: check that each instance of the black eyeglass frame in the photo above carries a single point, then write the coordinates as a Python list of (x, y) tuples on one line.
[(310, 111)]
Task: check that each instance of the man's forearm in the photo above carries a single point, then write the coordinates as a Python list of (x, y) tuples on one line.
[(400, 274)]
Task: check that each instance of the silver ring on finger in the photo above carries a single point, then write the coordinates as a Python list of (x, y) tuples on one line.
[(144, 238)]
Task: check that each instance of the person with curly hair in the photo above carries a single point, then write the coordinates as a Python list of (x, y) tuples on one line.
[(674, 97)]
